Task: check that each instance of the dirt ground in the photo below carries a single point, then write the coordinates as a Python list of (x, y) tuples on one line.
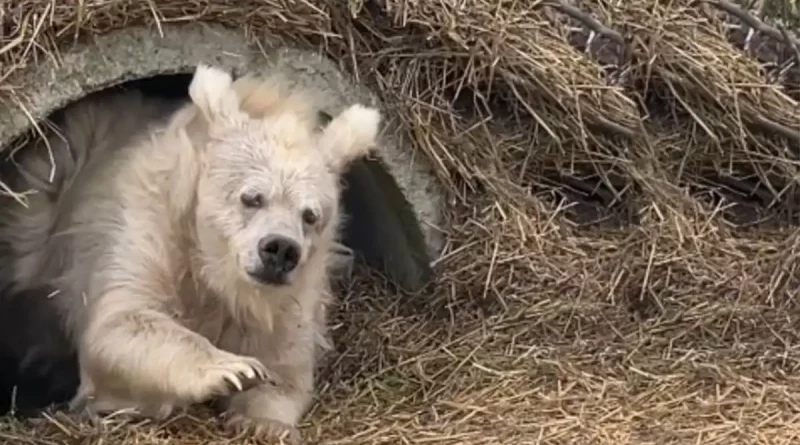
[(623, 264)]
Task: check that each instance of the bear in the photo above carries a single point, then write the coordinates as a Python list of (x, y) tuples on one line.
[(192, 258)]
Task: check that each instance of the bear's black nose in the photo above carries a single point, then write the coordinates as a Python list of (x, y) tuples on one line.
[(279, 254)]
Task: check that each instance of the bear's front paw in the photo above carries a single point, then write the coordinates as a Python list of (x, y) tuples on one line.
[(269, 429), (228, 374)]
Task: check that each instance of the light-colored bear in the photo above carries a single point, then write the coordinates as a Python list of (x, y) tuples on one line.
[(192, 260)]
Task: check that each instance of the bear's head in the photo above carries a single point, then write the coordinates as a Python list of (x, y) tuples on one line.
[(267, 202)]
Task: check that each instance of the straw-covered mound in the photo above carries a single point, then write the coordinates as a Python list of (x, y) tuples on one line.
[(622, 265)]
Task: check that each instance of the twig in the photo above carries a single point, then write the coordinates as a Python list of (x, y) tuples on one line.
[(792, 44), (755, 119), (775, 127), (753, 21), (613, 127), (587, 20)]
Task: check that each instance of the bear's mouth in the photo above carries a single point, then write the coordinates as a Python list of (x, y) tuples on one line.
[(269, 276)]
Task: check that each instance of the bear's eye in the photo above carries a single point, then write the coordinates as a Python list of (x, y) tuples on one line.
[(310, 217), (252, 200)]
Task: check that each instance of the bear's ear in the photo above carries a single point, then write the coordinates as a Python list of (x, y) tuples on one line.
[(212, 92), (350, 135)]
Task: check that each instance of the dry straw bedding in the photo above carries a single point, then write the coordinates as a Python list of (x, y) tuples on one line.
[(668, 321)]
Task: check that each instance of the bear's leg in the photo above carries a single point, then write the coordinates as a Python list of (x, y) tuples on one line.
[(146, 351), (274, 410)]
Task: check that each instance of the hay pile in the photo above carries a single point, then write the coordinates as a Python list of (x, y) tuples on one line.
[(623, 264)]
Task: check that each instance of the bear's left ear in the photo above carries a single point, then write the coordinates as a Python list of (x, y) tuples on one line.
[(323, 119), (350, 135), (212, 92)]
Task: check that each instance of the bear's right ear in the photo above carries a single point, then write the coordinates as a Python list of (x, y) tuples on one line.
[(212, 92)]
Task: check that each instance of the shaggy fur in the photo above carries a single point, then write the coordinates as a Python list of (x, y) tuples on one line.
[(154, 241)]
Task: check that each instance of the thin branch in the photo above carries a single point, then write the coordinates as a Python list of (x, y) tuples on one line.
[(792, 44), (752, 21), (775, 127), (613, 127), (587, 20)]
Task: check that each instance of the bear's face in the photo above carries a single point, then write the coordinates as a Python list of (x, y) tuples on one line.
[(269, 195), (268, 188)]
